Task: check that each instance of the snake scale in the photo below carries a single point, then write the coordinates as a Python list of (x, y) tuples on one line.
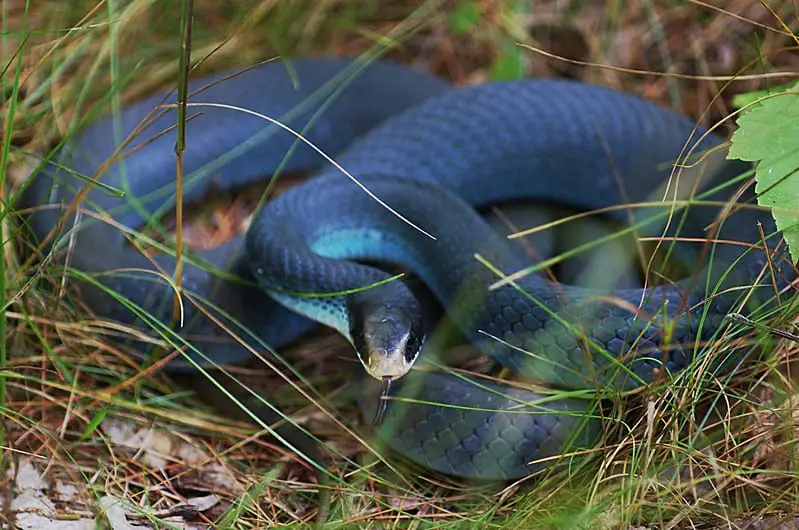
[(435, 154)]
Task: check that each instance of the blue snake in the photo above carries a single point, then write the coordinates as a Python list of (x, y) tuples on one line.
[(433, 155)]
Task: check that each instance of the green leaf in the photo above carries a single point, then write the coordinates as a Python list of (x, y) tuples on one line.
[(509, 64), (464, 17), (768, 135), (748, 98)]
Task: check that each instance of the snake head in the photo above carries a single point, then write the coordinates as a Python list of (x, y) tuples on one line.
[(387, 336)]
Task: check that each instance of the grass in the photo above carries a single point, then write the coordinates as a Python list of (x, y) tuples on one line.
[(66, 387)]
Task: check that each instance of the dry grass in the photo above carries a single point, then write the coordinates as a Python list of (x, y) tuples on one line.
[(66, 383)]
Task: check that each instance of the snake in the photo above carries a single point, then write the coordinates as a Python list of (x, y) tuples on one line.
[(401, 165)]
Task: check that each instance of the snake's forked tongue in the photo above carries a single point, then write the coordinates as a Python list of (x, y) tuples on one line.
[(382, 404)]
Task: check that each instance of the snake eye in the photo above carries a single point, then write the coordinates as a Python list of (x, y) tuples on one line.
[(414, 345), (387, 338)]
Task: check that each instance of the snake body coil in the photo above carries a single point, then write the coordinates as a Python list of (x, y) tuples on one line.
[(433, 154)]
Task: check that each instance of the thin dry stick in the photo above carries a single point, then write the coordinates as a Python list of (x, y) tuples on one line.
[(180, 146), (742, 77)]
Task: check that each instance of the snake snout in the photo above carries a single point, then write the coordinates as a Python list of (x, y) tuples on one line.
[(387, 338)]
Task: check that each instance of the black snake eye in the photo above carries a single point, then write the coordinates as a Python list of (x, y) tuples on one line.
[(416, 339)]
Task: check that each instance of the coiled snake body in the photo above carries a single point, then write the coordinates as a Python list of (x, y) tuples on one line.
[(433, 154)]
